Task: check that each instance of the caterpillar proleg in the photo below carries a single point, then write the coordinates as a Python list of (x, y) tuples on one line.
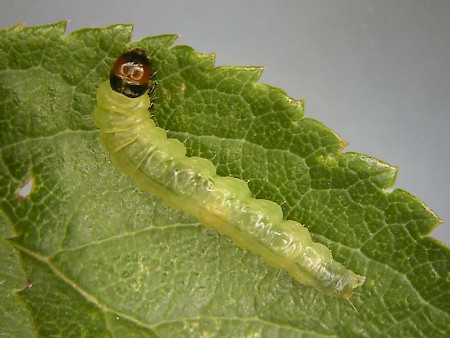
[(159, 165)]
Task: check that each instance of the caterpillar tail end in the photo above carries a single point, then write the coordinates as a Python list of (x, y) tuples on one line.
[(337, 281), (355, 282)]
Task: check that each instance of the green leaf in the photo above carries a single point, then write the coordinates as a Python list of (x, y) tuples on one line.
[(88, 254)]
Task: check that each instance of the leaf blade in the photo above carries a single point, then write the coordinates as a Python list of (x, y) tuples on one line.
[(84, 216)]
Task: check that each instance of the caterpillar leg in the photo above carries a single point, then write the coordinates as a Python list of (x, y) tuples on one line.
[(152, 88), (150, 92), (152, 103)]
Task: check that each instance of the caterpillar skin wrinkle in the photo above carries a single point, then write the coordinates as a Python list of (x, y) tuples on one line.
[(159, 165)]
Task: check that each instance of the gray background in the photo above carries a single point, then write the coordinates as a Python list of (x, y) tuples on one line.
[(376, 72)]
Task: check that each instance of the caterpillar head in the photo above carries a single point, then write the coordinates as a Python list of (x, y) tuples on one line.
[(131, 73)]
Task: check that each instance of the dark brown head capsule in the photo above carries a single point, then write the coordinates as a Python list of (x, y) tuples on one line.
[(131, 73)]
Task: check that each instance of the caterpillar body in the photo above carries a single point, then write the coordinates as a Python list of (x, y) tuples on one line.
[(159, 165)]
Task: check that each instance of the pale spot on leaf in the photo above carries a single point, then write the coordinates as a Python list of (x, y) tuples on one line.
[(25, 189)]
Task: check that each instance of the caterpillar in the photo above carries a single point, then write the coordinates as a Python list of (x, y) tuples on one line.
[(159, 165)]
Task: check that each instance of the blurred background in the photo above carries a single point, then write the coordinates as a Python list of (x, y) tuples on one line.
[(375, 71)]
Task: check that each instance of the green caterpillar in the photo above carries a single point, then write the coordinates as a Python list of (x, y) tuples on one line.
[(159, 166)]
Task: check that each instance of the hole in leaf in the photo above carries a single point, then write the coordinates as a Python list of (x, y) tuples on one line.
[(25, 189)]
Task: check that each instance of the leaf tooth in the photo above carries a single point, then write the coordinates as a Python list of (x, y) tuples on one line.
[(157, 41), (242, 74), (16, 27), (251, 71), (299, 106), (406, 208), (188, 56), (22, 28), (208, 57)]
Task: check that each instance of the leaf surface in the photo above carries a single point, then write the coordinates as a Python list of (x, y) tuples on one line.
[(89, 254)]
